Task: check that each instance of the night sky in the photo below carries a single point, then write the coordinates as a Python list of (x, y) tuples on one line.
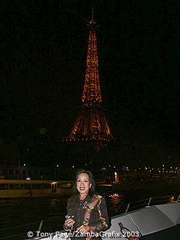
[(43, 54)]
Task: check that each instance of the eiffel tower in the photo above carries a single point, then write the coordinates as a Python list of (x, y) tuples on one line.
[(91, 126)]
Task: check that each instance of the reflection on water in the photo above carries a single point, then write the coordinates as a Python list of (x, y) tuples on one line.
[(115, 203), (18, 216)]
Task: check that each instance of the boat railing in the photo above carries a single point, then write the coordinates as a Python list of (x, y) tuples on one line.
[(150, 201), (136, 205), (32, 229)]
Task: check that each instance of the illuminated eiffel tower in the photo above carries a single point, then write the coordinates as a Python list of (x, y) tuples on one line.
[(91, 125)]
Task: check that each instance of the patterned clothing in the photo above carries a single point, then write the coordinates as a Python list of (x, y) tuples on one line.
[(90, 211)]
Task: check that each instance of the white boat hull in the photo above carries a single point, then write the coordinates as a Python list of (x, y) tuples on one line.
[(141, 222)]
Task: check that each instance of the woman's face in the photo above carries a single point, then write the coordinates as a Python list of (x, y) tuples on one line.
[(83, 183)]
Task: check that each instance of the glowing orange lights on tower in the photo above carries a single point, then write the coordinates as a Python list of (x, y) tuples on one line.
[(92, 90), (91, 125)]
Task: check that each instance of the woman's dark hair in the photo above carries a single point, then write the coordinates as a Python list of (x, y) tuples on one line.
[(91, 180)]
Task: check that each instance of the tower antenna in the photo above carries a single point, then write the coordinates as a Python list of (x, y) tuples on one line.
[(92, 14)]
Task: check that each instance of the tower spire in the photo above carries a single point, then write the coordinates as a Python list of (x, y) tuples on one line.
[(92, 17), (92, 89), (91, 125)]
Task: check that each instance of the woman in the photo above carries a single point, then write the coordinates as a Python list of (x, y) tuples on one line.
[(86, 211)]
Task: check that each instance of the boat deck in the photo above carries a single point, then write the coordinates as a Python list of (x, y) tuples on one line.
[(172, 233)]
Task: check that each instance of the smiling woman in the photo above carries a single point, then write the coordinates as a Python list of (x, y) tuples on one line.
[(86, 211)]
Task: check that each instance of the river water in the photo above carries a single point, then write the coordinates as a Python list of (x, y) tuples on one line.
[(19, 216)]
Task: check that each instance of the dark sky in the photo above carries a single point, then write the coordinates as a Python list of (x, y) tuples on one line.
[(43, 47)]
